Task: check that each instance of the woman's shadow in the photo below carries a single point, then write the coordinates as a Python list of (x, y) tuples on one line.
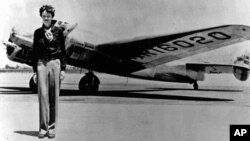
[(28, 133)]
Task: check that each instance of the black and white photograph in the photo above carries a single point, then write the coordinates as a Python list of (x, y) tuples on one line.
[(125, 70)]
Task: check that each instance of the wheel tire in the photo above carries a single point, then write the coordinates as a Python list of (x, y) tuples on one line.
[(95, 88), (33, 85), (85, 87)]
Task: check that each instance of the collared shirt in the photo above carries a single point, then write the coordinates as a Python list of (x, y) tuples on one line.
[(45, 49)]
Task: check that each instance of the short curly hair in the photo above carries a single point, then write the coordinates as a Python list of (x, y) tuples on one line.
[(50, 9)]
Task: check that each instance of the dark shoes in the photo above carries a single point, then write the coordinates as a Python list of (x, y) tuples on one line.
[(50, 134)]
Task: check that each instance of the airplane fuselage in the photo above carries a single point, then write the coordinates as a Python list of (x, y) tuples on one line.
[(85, 55)]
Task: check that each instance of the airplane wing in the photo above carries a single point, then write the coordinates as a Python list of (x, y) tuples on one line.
[(153, 51)]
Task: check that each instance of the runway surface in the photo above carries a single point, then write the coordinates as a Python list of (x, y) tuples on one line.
[(128, 109)]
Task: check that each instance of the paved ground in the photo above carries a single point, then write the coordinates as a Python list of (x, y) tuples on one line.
[(128, 110)]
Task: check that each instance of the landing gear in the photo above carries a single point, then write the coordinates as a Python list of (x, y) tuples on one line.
[(33, 85), (89, 83), (195, 85)]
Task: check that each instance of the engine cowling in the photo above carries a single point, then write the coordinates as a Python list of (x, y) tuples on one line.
[(241, 68), (241, 73)]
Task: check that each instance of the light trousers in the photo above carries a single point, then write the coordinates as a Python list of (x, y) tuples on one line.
[(48, 78)]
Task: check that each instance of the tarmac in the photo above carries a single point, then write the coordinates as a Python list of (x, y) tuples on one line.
[(128, 109)]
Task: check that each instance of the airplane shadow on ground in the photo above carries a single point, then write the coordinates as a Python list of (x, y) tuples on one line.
[(28, 133), (199, 90), (15, 90), (138, 93), (141, 94)]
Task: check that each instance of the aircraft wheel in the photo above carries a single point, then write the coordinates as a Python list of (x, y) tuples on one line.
[(195, 85), (33, 85), (89, 84)]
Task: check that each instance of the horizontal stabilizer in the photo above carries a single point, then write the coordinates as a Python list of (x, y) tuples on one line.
[(240, 72)]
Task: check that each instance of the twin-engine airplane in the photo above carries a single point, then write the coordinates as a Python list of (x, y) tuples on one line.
[(144, 57)]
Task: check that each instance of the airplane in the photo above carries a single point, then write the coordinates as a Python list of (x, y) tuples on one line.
[(142, 57)]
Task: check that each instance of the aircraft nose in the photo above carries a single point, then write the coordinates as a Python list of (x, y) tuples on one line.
[(10, 46)]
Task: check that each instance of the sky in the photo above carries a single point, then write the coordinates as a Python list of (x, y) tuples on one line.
[(102, 21)]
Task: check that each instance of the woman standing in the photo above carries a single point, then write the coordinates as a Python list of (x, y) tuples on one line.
[(49, 63)]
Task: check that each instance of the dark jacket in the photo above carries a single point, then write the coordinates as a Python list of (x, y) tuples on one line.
[(44, 49)]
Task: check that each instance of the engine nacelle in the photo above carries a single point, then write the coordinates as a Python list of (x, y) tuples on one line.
[(12, 50), (241, 69), (241, 73), (67, 27), (19, 46)]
